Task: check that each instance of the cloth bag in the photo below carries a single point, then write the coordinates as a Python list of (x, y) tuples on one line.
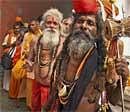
[(6, 60)]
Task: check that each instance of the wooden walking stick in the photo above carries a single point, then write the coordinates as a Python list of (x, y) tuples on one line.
[(121, 85)]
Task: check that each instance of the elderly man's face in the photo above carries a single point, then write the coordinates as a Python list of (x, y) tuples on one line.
[(51, 32), (51, 22), (87, 24)]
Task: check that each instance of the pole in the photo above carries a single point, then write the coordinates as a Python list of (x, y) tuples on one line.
[(121, 84)]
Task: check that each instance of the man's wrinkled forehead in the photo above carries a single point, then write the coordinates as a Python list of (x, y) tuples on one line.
[(85, 17), (52, 18)]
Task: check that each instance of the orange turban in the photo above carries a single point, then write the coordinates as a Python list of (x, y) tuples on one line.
[(18, 19), (108, 7), (85, 6)]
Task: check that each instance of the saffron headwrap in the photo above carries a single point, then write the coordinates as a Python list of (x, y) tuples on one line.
[(18, 19)]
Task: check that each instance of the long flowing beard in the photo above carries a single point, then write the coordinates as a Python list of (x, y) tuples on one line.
[(79, 44), (50, 37)]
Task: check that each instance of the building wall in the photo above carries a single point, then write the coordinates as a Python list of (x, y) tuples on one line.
[(126, 6), (27, 9)]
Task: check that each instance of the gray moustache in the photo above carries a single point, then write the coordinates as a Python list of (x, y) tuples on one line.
[(80, 32)]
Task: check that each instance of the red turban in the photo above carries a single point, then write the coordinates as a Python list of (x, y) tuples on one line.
[(85, 6)]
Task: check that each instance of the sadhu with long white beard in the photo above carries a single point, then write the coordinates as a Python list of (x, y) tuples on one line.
[(44, 54), (79, 78)]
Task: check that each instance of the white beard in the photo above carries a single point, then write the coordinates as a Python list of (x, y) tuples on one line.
[(50, 37)]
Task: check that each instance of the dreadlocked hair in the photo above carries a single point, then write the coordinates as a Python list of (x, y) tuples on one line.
[(100, 42)]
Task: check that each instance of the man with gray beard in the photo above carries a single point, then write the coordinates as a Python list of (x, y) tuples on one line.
[(44, 54), (80, 77)]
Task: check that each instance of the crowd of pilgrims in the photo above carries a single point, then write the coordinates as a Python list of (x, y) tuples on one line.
[(18, 80)]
